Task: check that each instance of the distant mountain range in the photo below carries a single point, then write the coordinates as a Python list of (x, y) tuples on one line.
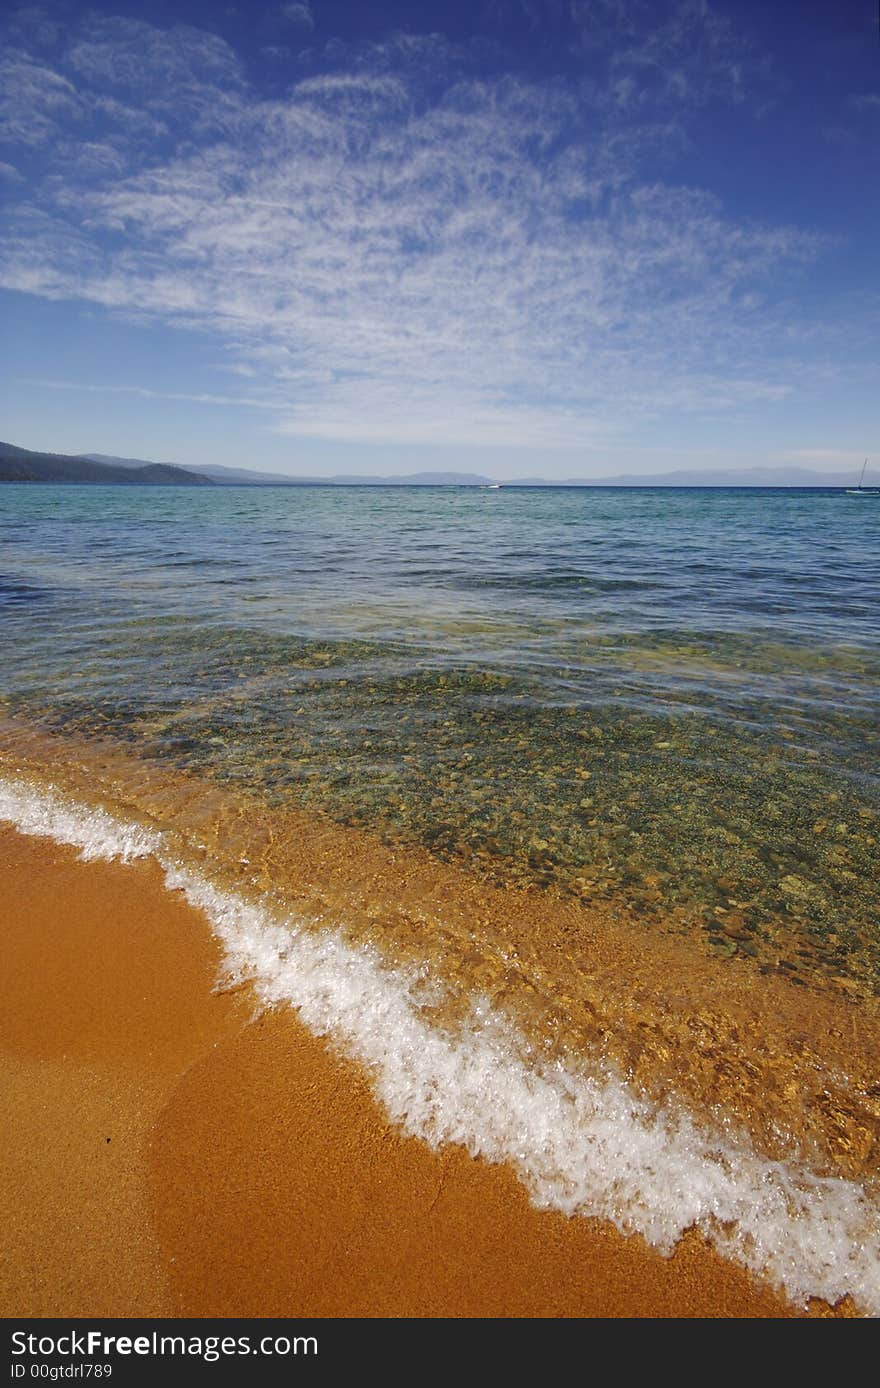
[(728, 477), (720, 477), (25, 465), (238, 476)]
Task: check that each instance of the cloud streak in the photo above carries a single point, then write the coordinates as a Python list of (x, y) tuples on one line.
[(145, 393)]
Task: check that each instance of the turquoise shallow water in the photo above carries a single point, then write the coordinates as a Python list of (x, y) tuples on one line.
[(666, 698)]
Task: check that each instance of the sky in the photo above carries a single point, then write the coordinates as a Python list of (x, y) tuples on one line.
[(553, 238)]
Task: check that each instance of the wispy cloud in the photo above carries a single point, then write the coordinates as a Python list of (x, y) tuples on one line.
[(34, 101), (300, 16), (485, 259), (673, 51), (145, 393)]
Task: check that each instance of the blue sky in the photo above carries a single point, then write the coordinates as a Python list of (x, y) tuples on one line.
[(562, 238)]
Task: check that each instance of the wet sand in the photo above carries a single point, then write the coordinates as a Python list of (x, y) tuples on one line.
[(171, 1152)]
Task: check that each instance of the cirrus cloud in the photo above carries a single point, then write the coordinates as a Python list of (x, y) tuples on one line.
[(488, 259)]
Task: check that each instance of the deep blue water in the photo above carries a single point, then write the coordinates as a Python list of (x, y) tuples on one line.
[(788, 565)]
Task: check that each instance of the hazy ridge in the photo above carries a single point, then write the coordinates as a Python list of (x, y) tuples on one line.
[(27, 465), (693, 477)]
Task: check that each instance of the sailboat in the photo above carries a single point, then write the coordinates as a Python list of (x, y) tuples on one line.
[(861, 490)]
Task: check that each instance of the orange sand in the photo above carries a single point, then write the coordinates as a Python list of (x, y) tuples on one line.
[(248, 1170)]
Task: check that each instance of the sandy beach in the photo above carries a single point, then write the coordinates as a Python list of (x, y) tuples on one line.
[(171, 1152)]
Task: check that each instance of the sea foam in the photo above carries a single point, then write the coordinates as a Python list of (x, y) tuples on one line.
[(579, 1137)]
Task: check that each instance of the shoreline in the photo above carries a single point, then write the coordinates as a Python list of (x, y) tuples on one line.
[(791, 1068), (249, 1170)]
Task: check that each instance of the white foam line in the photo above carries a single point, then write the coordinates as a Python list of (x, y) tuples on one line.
[(581, 1141)]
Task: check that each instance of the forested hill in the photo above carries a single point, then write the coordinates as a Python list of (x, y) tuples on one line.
[(24, 465)]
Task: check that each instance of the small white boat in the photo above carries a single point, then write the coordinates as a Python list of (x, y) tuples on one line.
[(861, 490)]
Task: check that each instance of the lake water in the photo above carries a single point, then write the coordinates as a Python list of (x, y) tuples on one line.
[(669, 695)]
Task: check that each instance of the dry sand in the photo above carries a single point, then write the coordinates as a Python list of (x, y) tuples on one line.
[(168, 1152)]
